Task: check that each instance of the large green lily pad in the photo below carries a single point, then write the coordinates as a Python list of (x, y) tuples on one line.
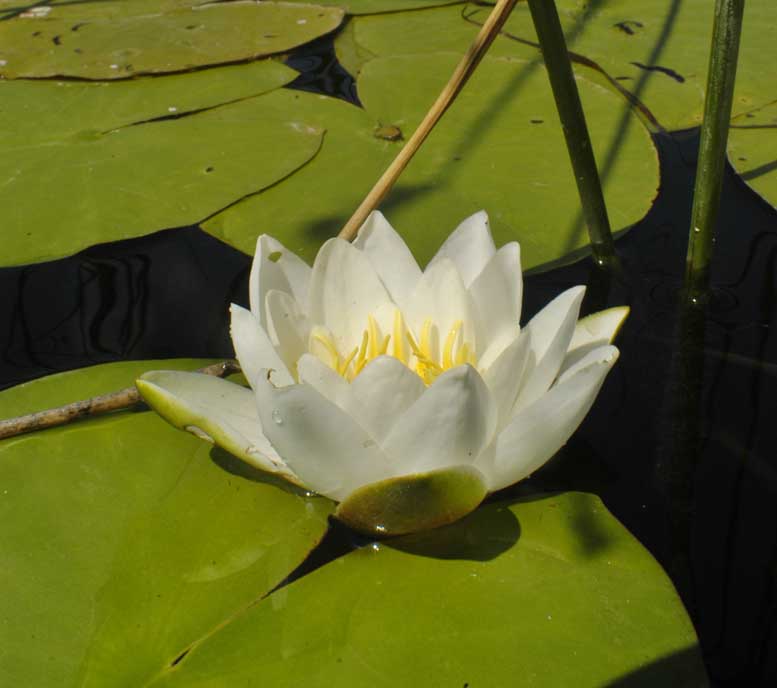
[(358, 7), (433, 30), (124, 540), (500, 148), (119, 39), (104, 185), (659, 50), (752, 148), (549, 591), (44, 111), (314, 203)]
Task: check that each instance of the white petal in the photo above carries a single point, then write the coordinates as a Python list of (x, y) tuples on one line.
[(600, 353), (503, 376), (275, 267), (540, 430), (470, 247), (450, 424), (496, 296), (287, 327), (390, 256), (441, 295), (253, 348), (550, 331), (593, 331), (344, 291), (327, 382), (210, 407), (384, 390), (323, 445)]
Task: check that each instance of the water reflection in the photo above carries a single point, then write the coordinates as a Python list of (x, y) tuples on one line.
[(159, 296)]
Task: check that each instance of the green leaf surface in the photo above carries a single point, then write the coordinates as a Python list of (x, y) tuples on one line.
[(124, 540), (377, 6), (33, 112), (499, 148), (655, 50), (114, 184), (415, 502), (117, 40), (434, 30), (658, 50), (314, 203), (549, 591), (752, 149)]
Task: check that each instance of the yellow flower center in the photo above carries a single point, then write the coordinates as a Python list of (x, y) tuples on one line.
[(421, 355)]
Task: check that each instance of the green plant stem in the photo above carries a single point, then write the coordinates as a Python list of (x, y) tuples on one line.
[(570, 110), (726, 31)]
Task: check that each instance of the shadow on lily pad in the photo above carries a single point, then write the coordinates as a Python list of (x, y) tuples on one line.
[(235, 466), (480, 536), (591, 538), (683, 669)]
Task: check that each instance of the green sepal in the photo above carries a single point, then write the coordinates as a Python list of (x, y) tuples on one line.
[(411, 503)]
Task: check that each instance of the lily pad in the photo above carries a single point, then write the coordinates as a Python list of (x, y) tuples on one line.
[(375, 6), (117, 40), (752, 148), (553, 587), (500, 148), (124, 541), (34, 112), (433, 30), (314, 203), (104, 185), (658, 50)]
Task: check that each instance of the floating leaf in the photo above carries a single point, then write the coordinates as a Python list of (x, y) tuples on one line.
[(34, 112), (124, 541), (659, 50), (553, 587), (116, 40), (500, 148), (100, 185), (314, 203), (375, 6), (752, 148), (435, 30)]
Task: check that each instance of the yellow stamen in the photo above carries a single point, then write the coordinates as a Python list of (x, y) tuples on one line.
[(343, 366), (374, 336), (426, 337), (422, 356), (400, 352), (450, 340), (329, 346)]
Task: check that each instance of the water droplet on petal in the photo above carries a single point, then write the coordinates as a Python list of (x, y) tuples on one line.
[(276, 417)]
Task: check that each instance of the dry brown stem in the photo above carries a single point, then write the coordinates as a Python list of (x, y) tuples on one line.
[(124, 398)]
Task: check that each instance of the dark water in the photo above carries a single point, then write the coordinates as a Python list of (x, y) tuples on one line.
[(681, 444)]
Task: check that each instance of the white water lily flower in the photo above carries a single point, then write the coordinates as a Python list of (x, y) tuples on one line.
[(405, 395)]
